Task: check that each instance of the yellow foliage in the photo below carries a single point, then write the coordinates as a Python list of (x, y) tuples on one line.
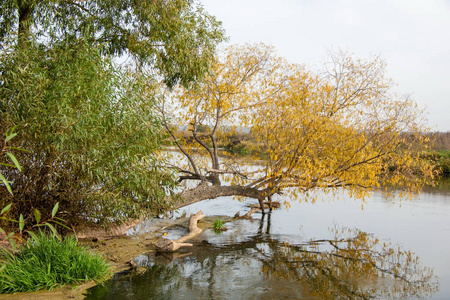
[(342, 127)]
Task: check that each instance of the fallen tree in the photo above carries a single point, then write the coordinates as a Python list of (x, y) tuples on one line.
[(341, 127), (167, 245)]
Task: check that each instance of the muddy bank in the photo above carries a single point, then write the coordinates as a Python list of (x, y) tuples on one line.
[(118, 249)]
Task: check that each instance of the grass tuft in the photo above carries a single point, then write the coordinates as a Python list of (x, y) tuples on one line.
[(218, 224), (47, 263)]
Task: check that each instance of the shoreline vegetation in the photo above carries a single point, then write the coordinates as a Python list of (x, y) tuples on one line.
[(50, 262), (119, 252), (442, 160), (440, 152)]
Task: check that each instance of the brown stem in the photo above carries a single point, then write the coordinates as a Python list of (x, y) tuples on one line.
[(25, 12)]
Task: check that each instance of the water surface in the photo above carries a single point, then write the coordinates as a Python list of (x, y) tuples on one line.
[(271, 257)]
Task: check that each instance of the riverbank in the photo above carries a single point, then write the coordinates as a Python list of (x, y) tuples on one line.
[(118, 250)]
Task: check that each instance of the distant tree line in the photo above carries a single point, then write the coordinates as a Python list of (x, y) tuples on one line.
[(441, 141)]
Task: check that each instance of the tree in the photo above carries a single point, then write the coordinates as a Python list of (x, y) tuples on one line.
[(176, 36), (339, 128), (88, 124)]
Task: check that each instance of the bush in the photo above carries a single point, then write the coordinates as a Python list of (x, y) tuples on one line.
[(46, 263), (441, 159), (91, 135)]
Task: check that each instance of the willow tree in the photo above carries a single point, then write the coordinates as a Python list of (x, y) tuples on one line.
[(89, 133), (177, 36), (341, 127)]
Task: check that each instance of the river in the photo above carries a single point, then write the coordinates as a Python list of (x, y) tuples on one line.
[(272, 257)]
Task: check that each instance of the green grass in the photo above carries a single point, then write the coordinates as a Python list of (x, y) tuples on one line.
[(218, 224), (48, 263)]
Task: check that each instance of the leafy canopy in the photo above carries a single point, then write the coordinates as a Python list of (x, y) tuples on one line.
[(89, 133), (177, 37), (341, 127)]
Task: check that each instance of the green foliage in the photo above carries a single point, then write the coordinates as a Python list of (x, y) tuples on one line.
[(13, 236), (45, 262), (176, 36), (238, 148), (218, 224), (89, 125), (90, 132), (6, 150)]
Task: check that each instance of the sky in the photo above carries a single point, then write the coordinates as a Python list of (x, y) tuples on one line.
[(411, 36)]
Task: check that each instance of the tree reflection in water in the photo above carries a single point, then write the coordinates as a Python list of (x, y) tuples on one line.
[(360, 267), (351, 265)]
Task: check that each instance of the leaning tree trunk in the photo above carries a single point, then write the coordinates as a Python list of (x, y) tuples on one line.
[(204, 192)]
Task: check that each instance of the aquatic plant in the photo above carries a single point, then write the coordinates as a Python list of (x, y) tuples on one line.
[(218, 224)]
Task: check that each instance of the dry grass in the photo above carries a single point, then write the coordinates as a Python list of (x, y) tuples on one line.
[(441, 141)]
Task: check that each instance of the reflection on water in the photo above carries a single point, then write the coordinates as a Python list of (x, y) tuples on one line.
[(256, 265), (272, 257), (442, 188)]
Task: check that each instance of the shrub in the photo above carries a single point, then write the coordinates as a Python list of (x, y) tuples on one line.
[(91, 135), (46, 262)]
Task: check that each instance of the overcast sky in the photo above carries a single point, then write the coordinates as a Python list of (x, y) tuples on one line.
[(412, 36)]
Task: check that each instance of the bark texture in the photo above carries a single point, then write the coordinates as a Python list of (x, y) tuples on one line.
[(204, 192), (166, 245)]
